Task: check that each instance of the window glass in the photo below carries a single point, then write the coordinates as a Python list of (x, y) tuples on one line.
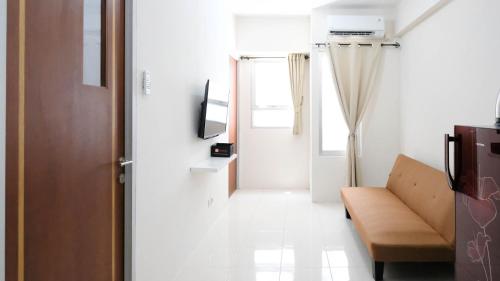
[(272, 84), (334, 131), (93, 43), (272, 101)]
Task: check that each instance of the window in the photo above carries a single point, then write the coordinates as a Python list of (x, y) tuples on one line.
[(94, 43), (334, 131), (272, 105)]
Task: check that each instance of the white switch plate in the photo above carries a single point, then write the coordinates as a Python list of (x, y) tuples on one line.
[(146, 82)]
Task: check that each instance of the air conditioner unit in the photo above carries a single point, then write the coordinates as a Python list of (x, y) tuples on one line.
[(361, 26)]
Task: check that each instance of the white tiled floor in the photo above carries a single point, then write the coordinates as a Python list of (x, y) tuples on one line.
[(282, 236)]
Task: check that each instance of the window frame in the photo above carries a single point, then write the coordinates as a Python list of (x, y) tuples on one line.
[(255, 107)]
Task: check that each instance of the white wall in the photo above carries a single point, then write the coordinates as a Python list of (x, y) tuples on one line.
[(411, 12), (380, 134), (271, 158), (182, 43), (3, 39), (272, 34), (450, 75)]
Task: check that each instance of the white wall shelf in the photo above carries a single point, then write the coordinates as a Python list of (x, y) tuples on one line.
[(212, 165)]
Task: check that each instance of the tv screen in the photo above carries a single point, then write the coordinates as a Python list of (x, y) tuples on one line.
[(214, 109)]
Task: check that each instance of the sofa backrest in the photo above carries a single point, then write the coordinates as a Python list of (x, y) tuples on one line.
[(425, 190)]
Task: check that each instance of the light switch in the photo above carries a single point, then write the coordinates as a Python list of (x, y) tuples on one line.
[(146, 82)]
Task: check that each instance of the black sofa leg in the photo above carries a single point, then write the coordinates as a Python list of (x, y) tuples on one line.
[(347, 215), (378, 270)]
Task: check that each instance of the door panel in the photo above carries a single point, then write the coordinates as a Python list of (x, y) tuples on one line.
[(65, 203), (233, 122)]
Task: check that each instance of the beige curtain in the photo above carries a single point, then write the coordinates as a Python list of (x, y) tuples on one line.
[(296, 66), (355, 70)]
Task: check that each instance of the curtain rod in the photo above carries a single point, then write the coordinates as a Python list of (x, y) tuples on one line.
[(395, 44), (253, 58)]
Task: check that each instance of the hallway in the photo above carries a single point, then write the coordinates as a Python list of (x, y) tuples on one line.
[(282, 236)]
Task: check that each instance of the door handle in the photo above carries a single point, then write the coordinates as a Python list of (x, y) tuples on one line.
[(124, 162), (452, 182)]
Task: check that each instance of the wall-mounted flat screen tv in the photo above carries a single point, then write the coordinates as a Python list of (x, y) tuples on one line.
[(214, 110)]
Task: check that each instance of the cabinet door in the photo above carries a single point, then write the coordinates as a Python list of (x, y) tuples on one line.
[(466, 160), (477, 223)]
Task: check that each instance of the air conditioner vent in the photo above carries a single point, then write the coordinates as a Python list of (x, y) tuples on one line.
[(352, 33), (358, 26)]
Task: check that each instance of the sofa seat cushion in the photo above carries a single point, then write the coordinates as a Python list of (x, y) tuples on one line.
[(425, 191), (391, 231)]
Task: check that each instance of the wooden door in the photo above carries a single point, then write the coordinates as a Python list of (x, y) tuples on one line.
[(233, 121), (65, 122)]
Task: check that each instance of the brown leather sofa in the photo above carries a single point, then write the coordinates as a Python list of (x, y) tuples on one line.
[(411, 220)]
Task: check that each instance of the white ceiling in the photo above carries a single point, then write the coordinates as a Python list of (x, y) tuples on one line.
[(301, 7)]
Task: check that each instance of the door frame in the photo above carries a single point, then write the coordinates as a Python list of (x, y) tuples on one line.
[(130, 140), (3, 91)]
